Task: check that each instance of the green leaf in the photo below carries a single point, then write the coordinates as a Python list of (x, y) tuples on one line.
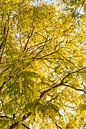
[(30, 74), (13, 89), (28, 82), (53, 106), (32, 105)]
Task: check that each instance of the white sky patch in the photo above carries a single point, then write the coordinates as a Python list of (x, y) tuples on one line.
[(11, 16), (30, 126), (36, 3), (71, 111), (78, 30), (0, 102), (49, 121), (54, 76), (18, 35), (81, 92), (62, 112), (57, 118), (80, 11), (20, 45), (48, 98)]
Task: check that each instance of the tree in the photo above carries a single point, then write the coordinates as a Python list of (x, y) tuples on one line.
[(42, 64)]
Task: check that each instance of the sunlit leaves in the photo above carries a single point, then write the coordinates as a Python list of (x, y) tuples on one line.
[(42, 64)]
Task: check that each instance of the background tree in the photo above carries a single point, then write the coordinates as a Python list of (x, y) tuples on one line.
[(42, 64)]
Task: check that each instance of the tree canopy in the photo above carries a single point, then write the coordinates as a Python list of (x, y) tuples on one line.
[(42, 64)]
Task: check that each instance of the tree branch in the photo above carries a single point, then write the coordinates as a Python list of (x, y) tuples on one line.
[(25, 126), (62, 83), (74, 88), (26, 116), (13, 125), (45, 91), (29, 36), (55, 122), (76, 71)]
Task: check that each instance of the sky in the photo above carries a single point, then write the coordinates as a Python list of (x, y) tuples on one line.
[(47, 1)]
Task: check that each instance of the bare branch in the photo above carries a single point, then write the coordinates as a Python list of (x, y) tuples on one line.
[(29, 36), (13, 125), (62, 83), (55, 122), (74, 88), (26, 116), (25, 126), (76, 71)]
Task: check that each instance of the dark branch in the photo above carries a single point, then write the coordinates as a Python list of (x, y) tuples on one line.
[(74, 88), (55, 123), (13, 125), (62, 83), (6, 117), (45, 91), (29, 36), (26, 116), (25, 126), (76, 71)]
